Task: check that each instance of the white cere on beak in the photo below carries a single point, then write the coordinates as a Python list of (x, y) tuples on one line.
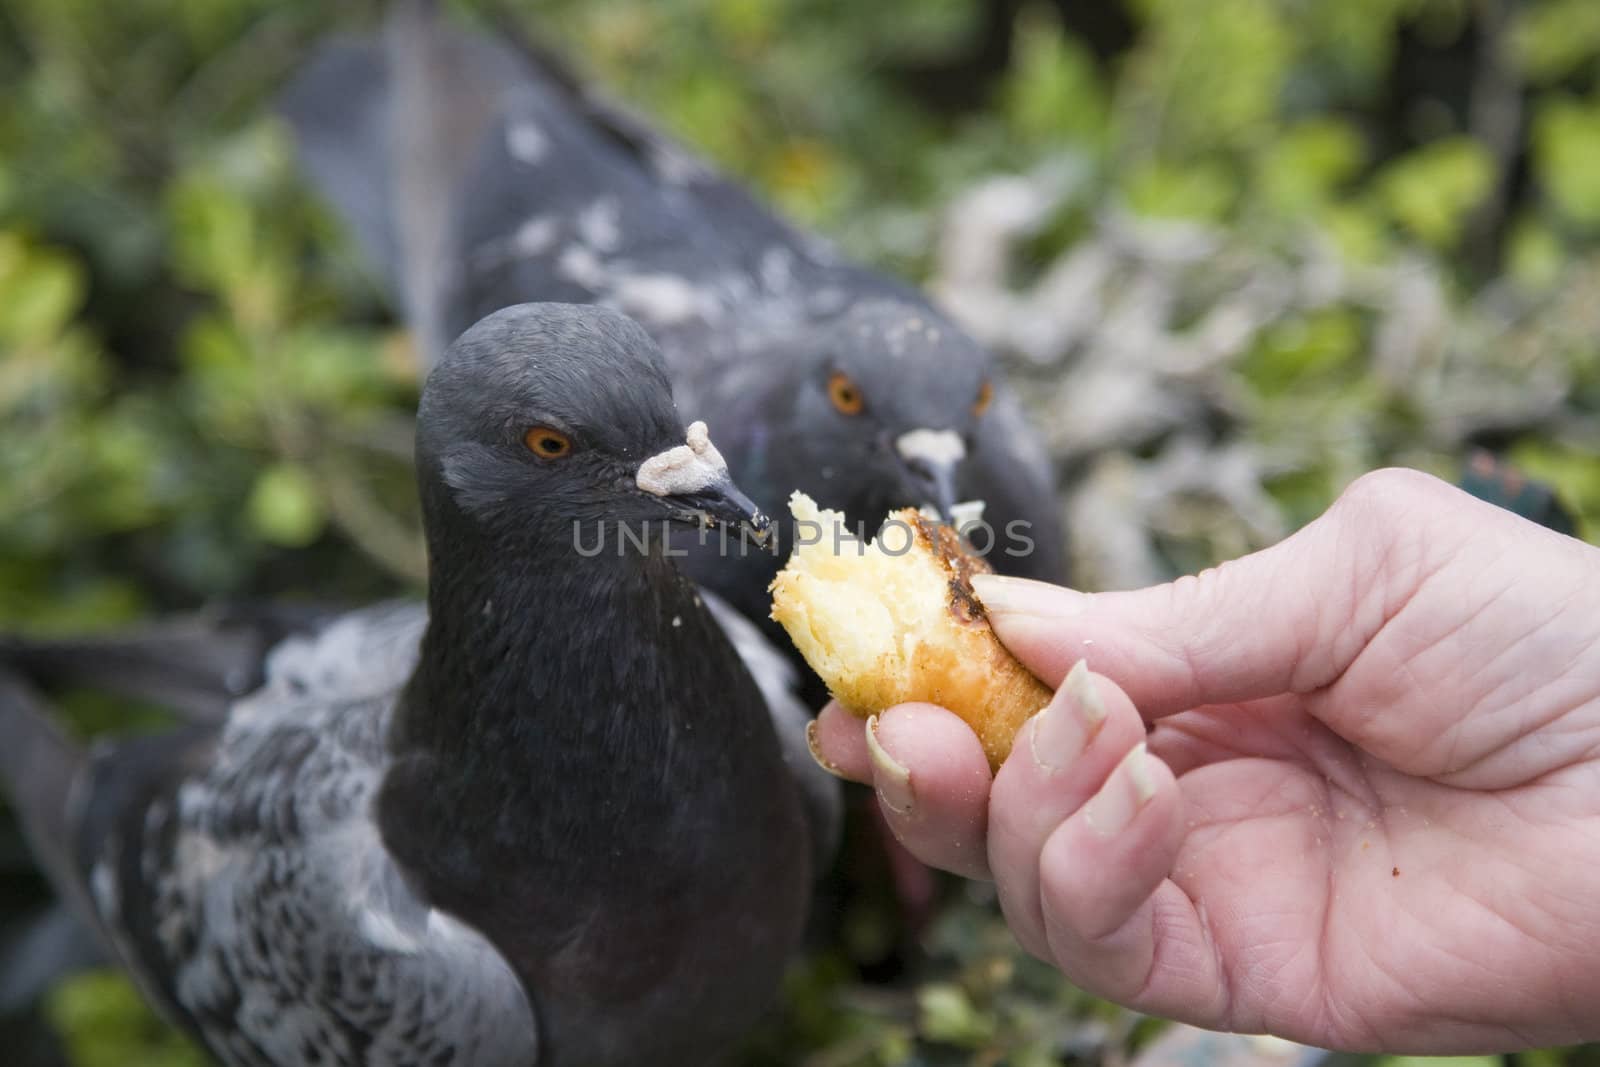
[(966, 513), (688, 468), (962, 515), (941, 448)]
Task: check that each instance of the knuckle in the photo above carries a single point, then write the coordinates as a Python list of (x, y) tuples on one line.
[(1386, 492)]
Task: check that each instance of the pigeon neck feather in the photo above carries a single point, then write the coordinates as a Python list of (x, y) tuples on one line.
[(572, 724)]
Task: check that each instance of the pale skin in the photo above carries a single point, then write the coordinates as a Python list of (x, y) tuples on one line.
[(1368, 813)]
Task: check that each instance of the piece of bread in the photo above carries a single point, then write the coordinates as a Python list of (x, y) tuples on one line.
[(895, 619)]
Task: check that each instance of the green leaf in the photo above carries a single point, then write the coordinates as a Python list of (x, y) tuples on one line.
[(1358, 231), (948, 1014), (214, 235), (1566, 141), (1302, 168), (42, 288), (285, 507), (1535, 257), (1201, 192), (1553, 39), (1053, 94), (1205, 83), (1432, 190), (1295, 352), (107, 1024)]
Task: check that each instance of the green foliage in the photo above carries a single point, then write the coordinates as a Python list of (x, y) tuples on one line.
[(109, 1025), (1431, 192), (1567, 154), (1308, 163), (1054, 94), (1556, 38)]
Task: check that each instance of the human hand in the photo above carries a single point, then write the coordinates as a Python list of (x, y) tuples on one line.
[(1369, 813)]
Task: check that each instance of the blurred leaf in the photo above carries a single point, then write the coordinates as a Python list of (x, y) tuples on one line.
[(1567, 156), (107, 1024), (1302, 168), (214, 233), (1535, 257), (1053, 92), (1358, 232), (42, 290), (1200, 192), (285, 507), (948, 1014), (1552, 39), (1542, 1057), (1292, 355), (1432, 190), (1207, 83)]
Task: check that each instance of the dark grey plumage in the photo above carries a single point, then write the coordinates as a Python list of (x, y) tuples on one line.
[(544, 820), (480, 174)]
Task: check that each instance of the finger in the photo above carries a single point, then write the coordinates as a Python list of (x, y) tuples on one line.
[(838, 743), (933, 780), (1114, 921), (1288, 619), (1061, 758)]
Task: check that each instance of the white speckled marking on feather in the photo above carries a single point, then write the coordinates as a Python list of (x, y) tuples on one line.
[(600, 224), (534, 237), (526, 142)]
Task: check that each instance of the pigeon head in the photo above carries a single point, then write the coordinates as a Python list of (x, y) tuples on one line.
[(542, 415), (898, 392)]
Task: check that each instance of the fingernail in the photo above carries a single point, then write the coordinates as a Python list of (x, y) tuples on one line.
[(816, 751), (1069, 722), (1124, 795), (1001, 595), (893, 778)]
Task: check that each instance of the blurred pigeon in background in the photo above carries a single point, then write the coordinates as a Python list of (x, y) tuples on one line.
[(507, 828), (1489, 477), (479, 174)]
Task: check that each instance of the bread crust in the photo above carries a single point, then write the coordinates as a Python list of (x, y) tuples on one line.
[(895, 619)]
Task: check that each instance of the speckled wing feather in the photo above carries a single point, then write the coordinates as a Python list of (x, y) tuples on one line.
[(239, 875), (503, 180), (235, 868), (779, 683)]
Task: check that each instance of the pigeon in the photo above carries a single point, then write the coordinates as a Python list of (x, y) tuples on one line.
[(1490, 477), (477, 172), (544, 819)]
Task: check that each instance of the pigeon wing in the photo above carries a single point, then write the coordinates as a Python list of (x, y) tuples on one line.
[(239, 875), (779, 683)]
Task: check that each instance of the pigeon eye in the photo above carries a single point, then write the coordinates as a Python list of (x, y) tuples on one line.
[(985, 397), (845, 394), (546, 443)]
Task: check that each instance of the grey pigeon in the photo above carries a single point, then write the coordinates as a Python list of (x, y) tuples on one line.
[(478, 174), (544, 820)]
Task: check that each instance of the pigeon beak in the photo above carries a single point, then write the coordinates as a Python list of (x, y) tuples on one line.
[(931, 459), (721, 504), (692, 481)]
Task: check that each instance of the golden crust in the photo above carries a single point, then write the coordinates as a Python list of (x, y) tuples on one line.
[(895, 619)]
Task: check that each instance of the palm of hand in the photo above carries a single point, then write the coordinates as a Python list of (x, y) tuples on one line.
[(1353, 905)]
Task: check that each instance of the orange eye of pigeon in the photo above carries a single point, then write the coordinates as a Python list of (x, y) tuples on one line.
[(546, 443), (985, 396), (845, 394)]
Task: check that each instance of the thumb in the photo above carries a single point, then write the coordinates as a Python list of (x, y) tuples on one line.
[(1290, 618)]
